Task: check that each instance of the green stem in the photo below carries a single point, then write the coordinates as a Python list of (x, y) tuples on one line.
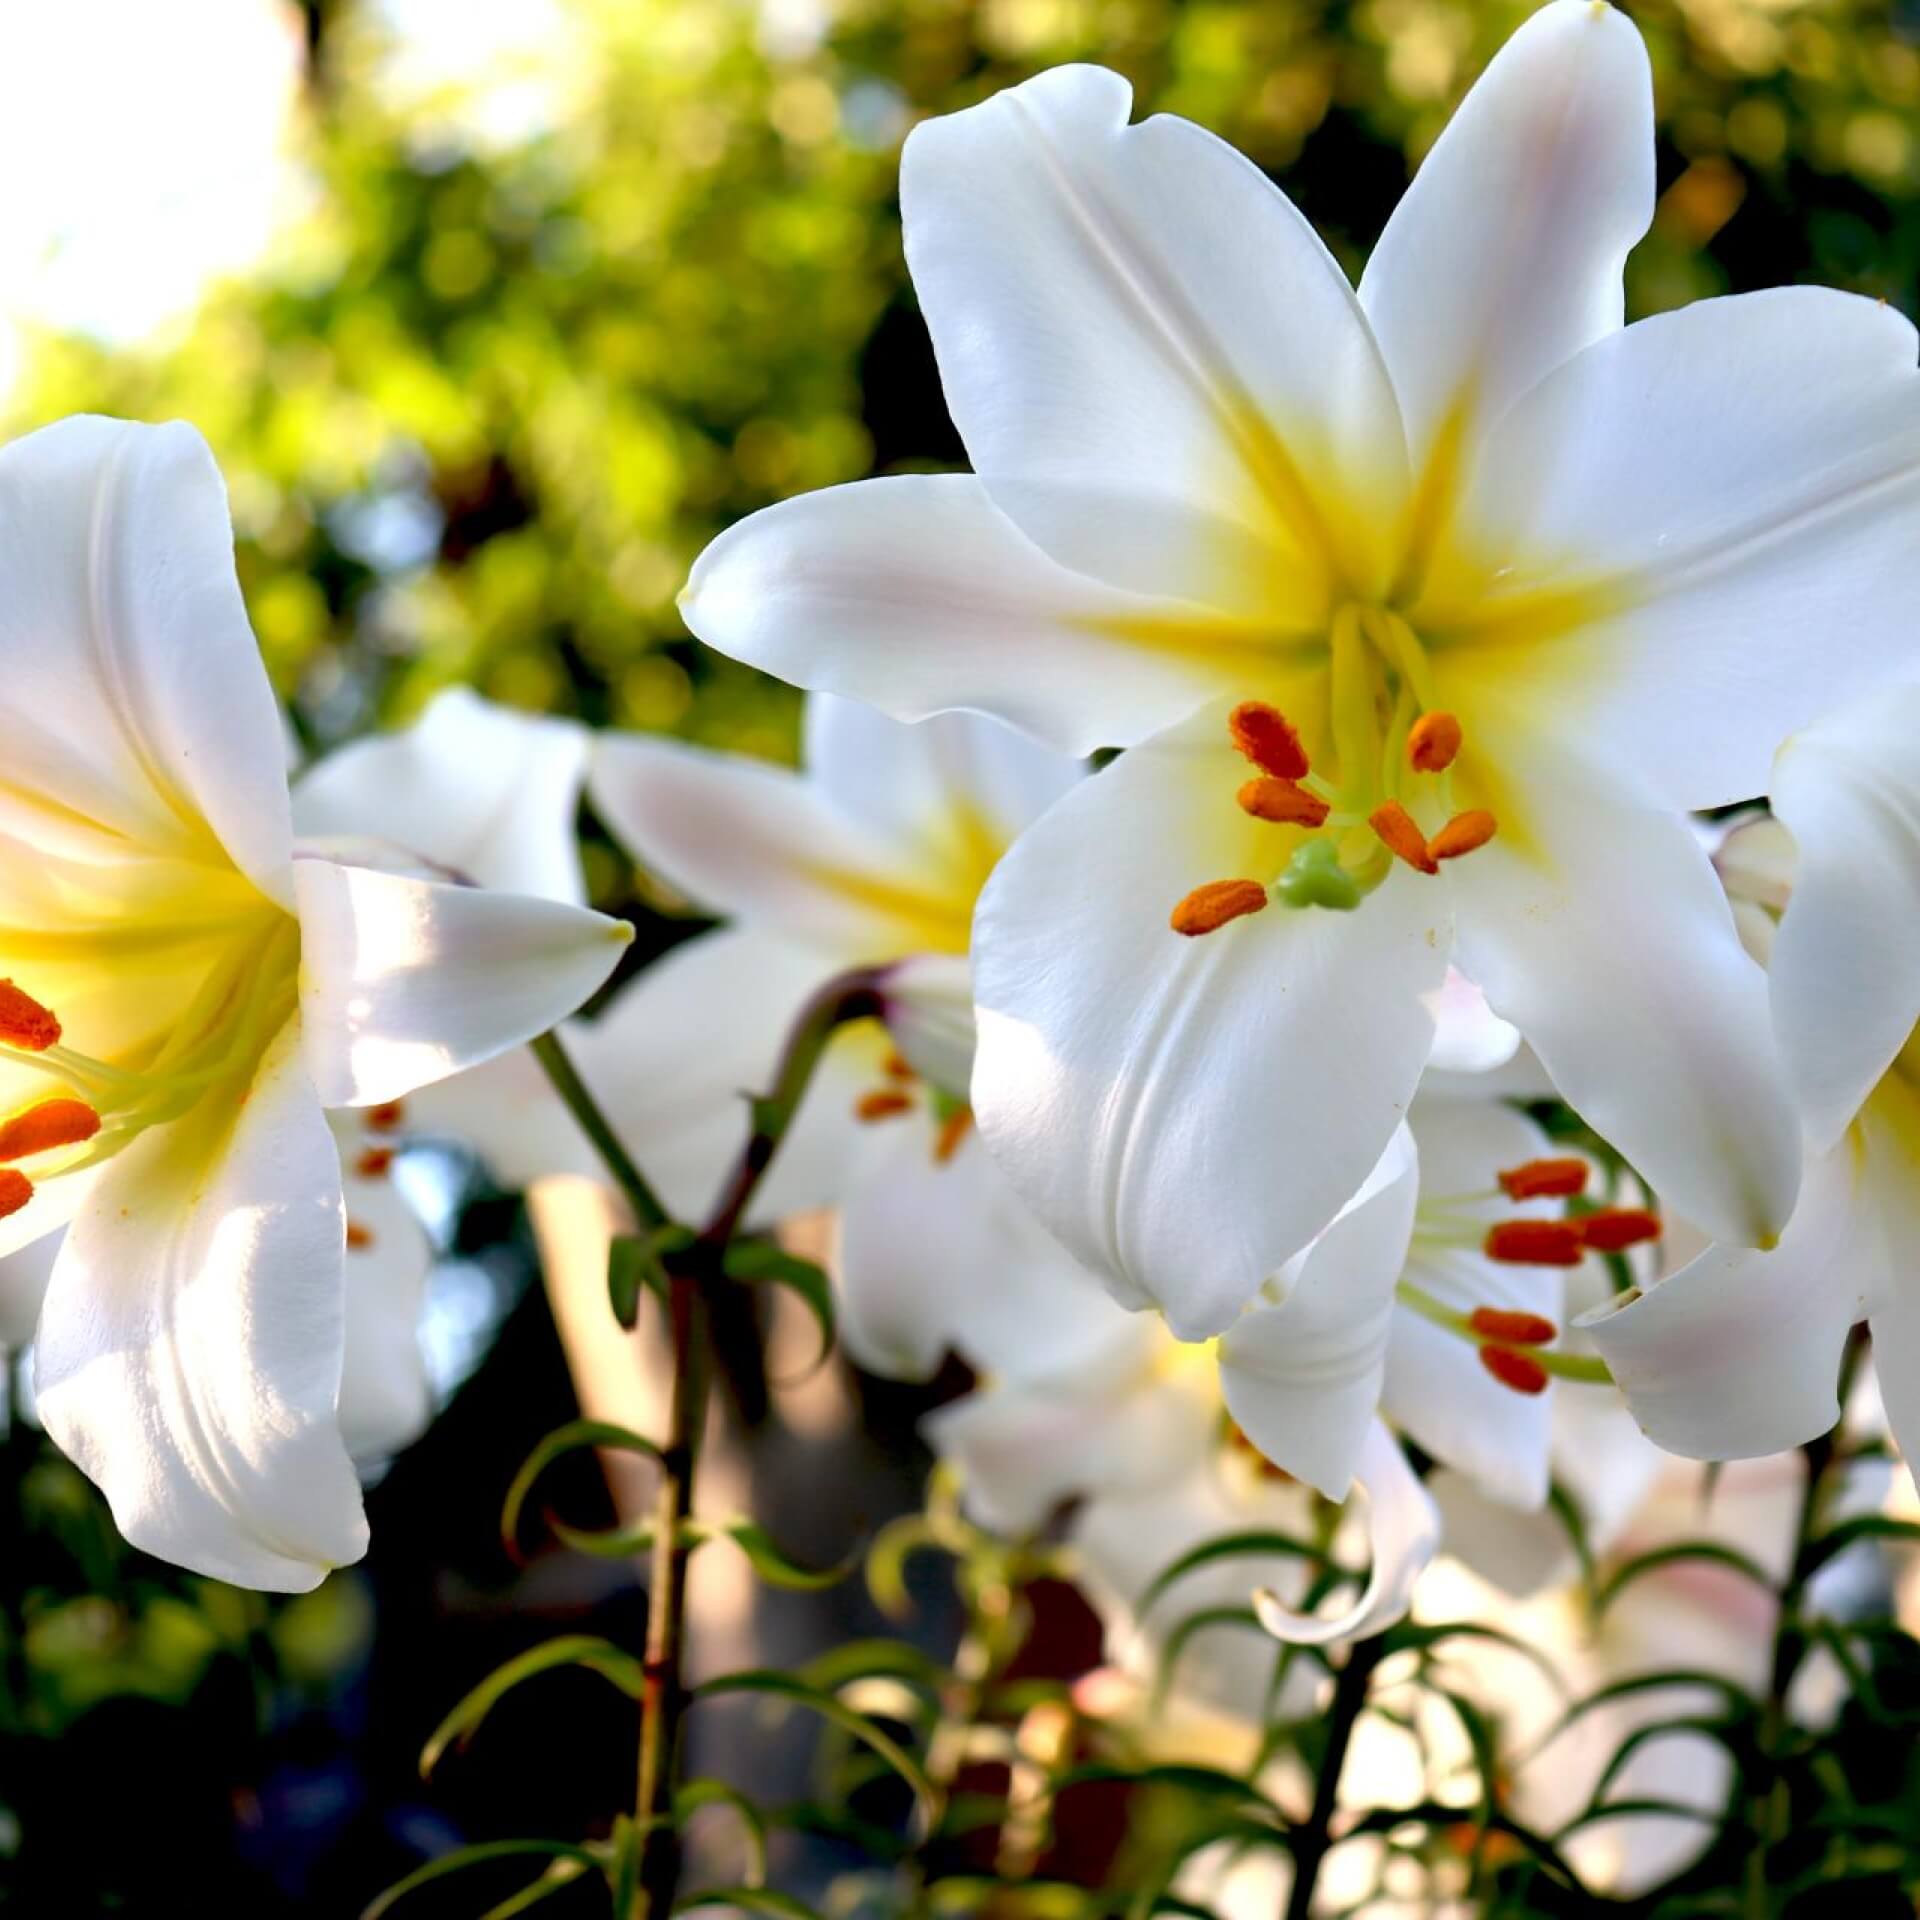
[(1312, 1841), (692, 1279), (640, 1197)]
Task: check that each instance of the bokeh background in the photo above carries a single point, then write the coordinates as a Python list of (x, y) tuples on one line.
[(494, 312)]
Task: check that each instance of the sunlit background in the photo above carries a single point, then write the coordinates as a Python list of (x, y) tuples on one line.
[(494, 312)]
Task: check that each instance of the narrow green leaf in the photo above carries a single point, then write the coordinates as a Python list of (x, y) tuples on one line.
[(1420, 1637), (777, 1906), (790, 1687), (475, 1856), (569, 1650), (1175, 1645), (630, 1267), (696, 1794), (557, 1879), (561, 1441), (893, 1546), (1680, 1552), (1705, 1725), (1233, 1546), (1863, 1526), (761, 1260), (774, 1567)]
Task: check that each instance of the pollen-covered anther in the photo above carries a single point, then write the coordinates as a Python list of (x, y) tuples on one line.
[(359, 1238), (15, 1190), (374, 1163), (1433, 742), (1614, 1229), (1535, 1243), (1401, 836), (882, 1104), (1512, 1327), (953, 1130), (1464, 833), (1213, 905), (387, 1117), (1545, 1179), (53, 1123), (24, 1022), (1267, 797), (1520, 1371), (1267, 737)]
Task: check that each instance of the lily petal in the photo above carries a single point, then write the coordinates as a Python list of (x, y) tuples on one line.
[(916, 593), (1197, 346), (1403, 1526), (1845, 966), (1599, 929), (1738, 1354), (137, 709), (189, 1353), (1504, 257), (481, 791), (937, 1255), (1302, 1379), (406, 981), (1186, 1114), (1743, 472)]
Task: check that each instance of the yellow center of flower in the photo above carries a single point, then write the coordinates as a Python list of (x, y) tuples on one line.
[(196, 1042)]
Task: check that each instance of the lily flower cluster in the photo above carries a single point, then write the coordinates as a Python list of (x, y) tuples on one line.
[(1413, 624)]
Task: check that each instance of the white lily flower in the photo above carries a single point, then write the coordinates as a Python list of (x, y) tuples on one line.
[(1457, 556), (189, 989), (872, 857), (1739, 1352)]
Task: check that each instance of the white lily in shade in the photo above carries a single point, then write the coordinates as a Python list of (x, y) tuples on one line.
[(1739, 1352), (872, 857), (1426, 611), (188, 988)]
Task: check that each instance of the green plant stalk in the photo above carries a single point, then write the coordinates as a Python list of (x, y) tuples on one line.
[(690, 1280), (1312, 1840)]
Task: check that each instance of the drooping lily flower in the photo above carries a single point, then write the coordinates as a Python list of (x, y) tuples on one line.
[(1433, 607), (187, 988), (1433, 1299), (1739, 1352)]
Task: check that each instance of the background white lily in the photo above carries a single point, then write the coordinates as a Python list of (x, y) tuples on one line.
[(188, 990)]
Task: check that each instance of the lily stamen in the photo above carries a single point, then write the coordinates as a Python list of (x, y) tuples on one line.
[(1433, 742), (1520, 1371), (1211, 906), (15, 1190), (1464, 833), (1512, 1327), (1269, 739), (1535, 1243), (1614, 1229), (1545, 1179), (50, 1124), (953, 1130), (882, 1104), (1399, 834), (1268, 797), (24, 1022)]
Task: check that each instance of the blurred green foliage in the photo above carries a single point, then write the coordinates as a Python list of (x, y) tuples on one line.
[(481, 411)]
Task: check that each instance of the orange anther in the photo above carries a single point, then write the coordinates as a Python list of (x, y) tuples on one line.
[(359, 1238), (387, 1117), (1545, 1179), (1395, 826), (882, 1104), (1463, 834), (53, 1123), (953, 1130), (1213, 905), (1510, 1325), (1535, 1243), (895, 1068), (15, 1190), (24, 1022), (1432, 742), (1520, 1371), (1267, 737), (1268, 798), (374, 1163), (1614, 1229)]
